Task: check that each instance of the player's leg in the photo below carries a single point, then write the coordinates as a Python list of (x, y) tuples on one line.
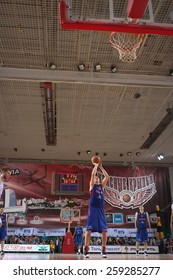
[(87, 241), (104, 239), (145, 248), (102, 227), (137, 248), (79, 249), (79, 244), (92, 225), (2, 247)]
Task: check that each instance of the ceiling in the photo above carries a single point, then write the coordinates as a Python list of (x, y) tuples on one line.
[(96, 111)]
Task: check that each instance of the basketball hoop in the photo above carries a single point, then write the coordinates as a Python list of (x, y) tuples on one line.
[(126, 44), (69, 215)]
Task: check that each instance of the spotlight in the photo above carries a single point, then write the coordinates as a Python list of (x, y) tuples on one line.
[(137, 153), (137, 95), (105, 154), (129, 153), (52, 66), (78, 153), (15, 149), (113, 69), (96, 154), (171, 72), (81, 67), (160, 157), (97, 67), (88, 152), (43, 150), (121, 155)]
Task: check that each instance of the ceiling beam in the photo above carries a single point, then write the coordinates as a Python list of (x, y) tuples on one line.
[(75, 77)]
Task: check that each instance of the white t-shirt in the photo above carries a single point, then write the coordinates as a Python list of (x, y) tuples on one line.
[(1, 188)]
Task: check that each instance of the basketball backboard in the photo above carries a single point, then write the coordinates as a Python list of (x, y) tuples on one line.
[(139, 17)]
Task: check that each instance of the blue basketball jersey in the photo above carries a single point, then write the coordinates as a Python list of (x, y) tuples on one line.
[(97, 196), (79, 230), (3, 219), (3, 232), (142, 220)]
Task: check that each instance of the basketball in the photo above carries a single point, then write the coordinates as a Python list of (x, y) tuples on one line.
[(96, 159)]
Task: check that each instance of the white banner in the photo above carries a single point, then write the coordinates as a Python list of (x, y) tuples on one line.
[(113, 249), (128, 232), (113, 232), (109, 249), (132, 249), (26, 248), (123, 232), (37, 231)]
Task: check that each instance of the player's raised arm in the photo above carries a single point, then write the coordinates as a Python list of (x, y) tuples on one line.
[(93, 174), (106, 176)]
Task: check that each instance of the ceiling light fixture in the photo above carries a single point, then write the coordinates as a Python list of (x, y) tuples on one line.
[(52, 66), (81, 67), (160, 157), (137, 95), (113, 69), (88, 152), (129, 153), (97, 67)]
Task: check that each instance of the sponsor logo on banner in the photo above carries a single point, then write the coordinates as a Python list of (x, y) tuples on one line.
[(132, 249), (118, 218), (121, 233), (129, 192), (130, 218), (26, 231), (123, 249), (26, 248), (109, 249)]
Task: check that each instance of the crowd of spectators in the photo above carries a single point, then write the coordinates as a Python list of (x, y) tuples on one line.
[(165, 245)]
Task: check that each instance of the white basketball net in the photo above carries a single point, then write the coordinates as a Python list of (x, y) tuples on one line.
[(126, 44)]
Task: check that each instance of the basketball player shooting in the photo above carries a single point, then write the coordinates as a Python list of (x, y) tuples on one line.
[(96, 215)]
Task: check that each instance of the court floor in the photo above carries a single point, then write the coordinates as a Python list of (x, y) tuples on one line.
[(46, 256)]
